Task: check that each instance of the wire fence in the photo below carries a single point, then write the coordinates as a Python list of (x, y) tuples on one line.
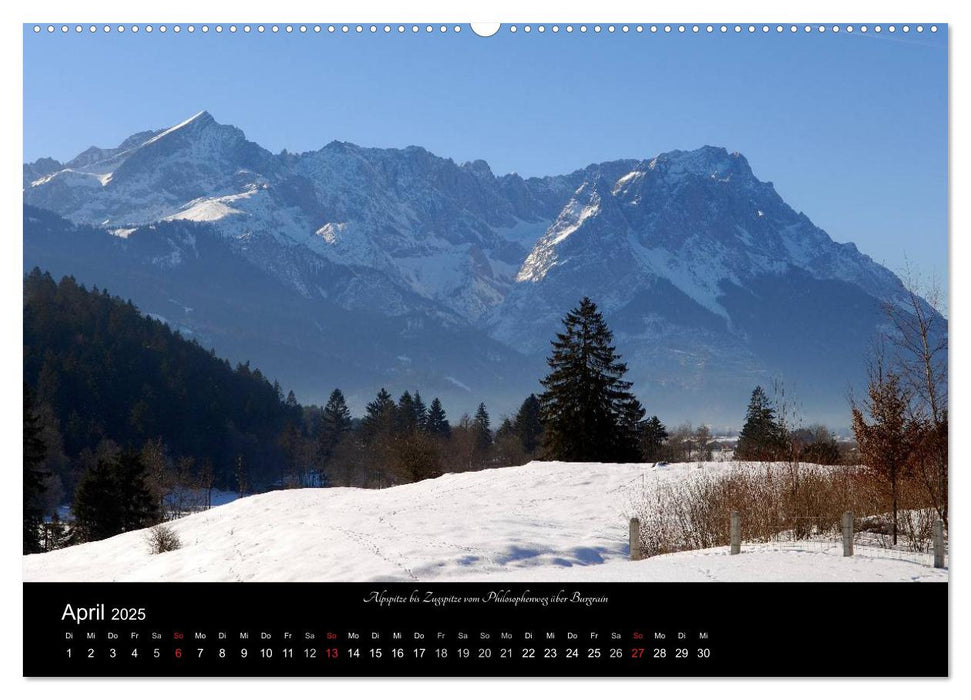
[(872, 537)]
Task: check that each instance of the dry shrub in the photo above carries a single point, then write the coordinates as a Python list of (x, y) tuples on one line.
[(776, 501), (162, 538)]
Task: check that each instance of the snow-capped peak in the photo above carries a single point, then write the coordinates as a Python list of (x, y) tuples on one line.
[(202, 117)]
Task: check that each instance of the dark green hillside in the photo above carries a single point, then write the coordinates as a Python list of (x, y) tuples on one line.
[(109, 373)]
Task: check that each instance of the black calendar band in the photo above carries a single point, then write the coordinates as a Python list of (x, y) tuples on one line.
[(485, 629)]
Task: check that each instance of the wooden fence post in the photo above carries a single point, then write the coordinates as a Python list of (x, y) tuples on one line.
[(939, 544), (736, 533), (635, 540), (848, 534)]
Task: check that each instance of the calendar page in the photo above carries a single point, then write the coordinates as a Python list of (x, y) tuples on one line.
[(516, 349)]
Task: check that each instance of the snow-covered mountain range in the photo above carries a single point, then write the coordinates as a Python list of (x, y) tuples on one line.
[(357, 267)]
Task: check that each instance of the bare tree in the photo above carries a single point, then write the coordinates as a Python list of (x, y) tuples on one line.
[(702, 440), (886, 441), (920, 359)]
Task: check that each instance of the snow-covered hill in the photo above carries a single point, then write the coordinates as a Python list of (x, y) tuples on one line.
[(711, 282), (540, 522)]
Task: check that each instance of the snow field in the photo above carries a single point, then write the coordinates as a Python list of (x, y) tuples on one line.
[(545, 521)]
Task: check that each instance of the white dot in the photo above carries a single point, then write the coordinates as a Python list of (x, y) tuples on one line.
[(458, 29), (640, 28), (695, 29), (863, 29), (583, 28), (849, 28), (541, 29), (610, 29), (920, 28), (121, 29), (878, 29), (556, 28), (569, 28), (822, 29), (724, 29), (765, 29), (667, 28), (891, 29), (709, 29), (36, 28), (527, 29), (65, 28), (751, 29), (836, 28), (737, 29), (513, 29), (106, 29), (205, 29), (625, 29), (934, 28), (906, 28), (163, 29)]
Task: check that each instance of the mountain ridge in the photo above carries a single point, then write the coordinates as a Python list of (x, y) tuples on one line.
[(680, 250)]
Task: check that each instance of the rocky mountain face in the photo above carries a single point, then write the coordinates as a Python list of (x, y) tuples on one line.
[(359, 267)]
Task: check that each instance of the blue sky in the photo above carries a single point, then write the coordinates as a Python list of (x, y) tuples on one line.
[(851, 128)]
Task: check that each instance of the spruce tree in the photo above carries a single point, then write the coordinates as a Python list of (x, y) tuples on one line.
[(653, 435), (437, 423), (334, 423), (34, 453), (762, 438), (379, 417), (406, 417), (587, 408), (421, 413), (480, 424), (97, 510), (629, 425), (528, 424), (113, 497)]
